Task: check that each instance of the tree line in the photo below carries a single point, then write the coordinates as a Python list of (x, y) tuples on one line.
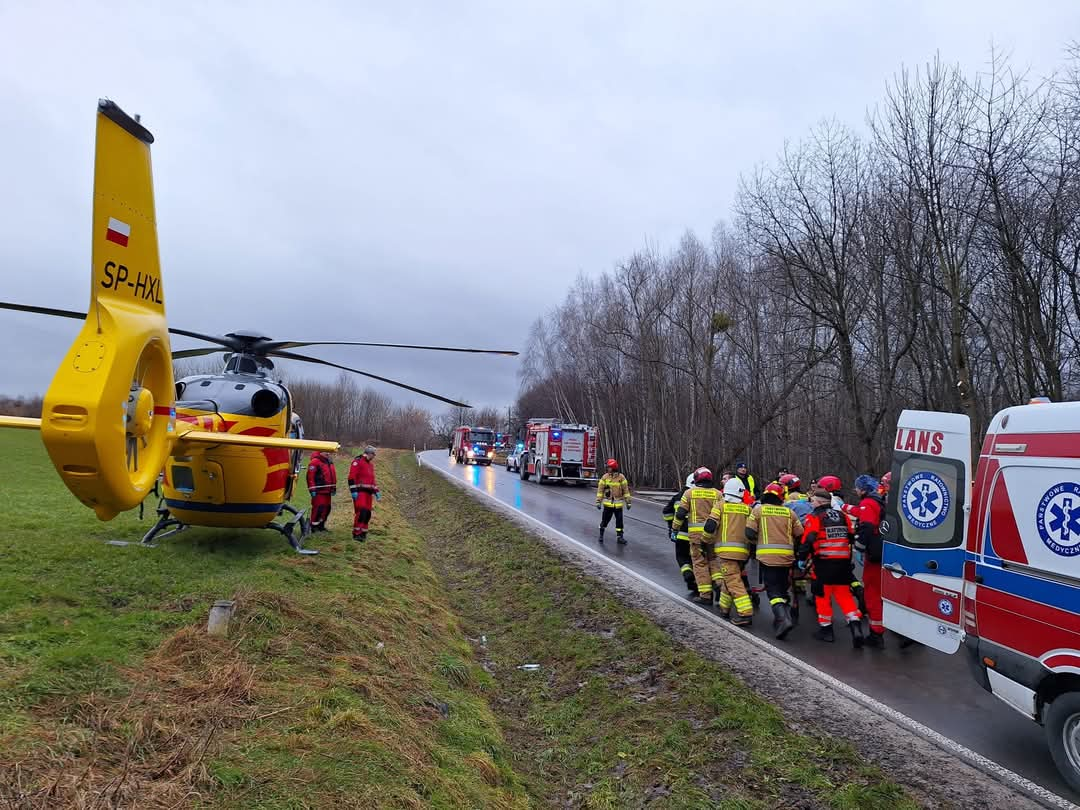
[(928, 261)]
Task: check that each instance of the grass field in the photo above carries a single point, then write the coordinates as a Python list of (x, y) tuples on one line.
[(361, 678), (345, 683)]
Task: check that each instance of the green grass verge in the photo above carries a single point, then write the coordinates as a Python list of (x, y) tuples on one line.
[(345, 681), (618, 715)]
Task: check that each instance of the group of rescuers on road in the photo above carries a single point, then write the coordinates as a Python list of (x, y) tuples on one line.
[(797, 538), (322, 486)]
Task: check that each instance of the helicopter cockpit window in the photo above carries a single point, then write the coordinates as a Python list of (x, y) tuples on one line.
[(239, 386), (205, 383)]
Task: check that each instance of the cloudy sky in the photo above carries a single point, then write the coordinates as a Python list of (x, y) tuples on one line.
[(426, 171)]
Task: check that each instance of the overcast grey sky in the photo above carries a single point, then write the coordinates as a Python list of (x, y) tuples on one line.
[(426, 171)]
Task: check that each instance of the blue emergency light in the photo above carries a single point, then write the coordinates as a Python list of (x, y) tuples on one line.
[(555, 434)]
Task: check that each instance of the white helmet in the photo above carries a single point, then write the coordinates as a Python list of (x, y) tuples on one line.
[(734, 489), (689, 480)]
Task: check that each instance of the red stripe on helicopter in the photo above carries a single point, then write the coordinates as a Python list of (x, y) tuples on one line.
[(163, 410), (118, 232), (276, 480), (273, 455)]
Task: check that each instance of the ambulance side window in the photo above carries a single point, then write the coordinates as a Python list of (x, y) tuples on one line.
[(927, 508)]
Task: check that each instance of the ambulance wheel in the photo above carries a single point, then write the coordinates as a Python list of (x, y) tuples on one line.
[(1063, 736)]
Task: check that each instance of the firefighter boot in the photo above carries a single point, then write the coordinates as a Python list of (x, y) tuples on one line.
[(601, 537), (688, 578), (876, 640), (825, 633), (619, 537), (782, 623), (855, 626)]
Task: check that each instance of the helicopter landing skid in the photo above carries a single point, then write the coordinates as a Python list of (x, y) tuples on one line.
[(288, 528), (166, 526)]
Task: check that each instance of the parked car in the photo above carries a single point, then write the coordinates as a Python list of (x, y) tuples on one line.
[(513, 458)]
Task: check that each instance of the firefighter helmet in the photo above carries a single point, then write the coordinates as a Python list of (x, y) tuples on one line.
[(689, 480), (790, 482), (702, 474), (775, 489), (886, 481), (612, 464), (734, 489), (830, 483)]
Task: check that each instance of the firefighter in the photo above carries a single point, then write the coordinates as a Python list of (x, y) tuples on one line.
[(883, 487), (363, 489), (795, 499), (612, 494), (827, 540), (681, 538), (773, 527), (692, 514), (322, 485), (868, 543), (727, 523)]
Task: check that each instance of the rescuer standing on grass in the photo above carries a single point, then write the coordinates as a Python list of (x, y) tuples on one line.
[(322, 485), (692, 514), (868, 543), (681, 538), (727, 525), (612, 494), (827, 538), (363, 490), (773, 527)]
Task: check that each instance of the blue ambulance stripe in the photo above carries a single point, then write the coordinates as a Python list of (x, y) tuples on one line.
[(1036, 589)]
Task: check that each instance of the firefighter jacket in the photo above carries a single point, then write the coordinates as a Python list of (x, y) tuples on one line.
[(868, 529), (773, 529), (669, 515), (728, 522), (827, 536), (693, 510), (613, 490), (321, 475)]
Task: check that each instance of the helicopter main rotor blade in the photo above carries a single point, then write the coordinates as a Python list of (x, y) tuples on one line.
[(292, 344), (306, 359), (180, 355), (59, 313), (81, 316)]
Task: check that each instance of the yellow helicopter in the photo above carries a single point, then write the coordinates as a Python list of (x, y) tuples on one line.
[(226, 447)]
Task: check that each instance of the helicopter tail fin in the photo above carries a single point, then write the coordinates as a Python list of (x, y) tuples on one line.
[(108, 420)]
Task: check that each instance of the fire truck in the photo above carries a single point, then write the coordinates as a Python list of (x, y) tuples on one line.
[(556, 451), (988, 558), (475, 444)]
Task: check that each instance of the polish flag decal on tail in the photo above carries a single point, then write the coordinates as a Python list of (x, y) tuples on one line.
[(118, 232)]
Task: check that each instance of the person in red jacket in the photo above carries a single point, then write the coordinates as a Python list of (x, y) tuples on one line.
[(322, 485), (826, 546), (363, 490), (868, 543)]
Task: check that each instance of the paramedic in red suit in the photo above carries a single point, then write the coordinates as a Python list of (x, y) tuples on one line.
[(363, 490), (826, 551), (322, 485), (869, 512)]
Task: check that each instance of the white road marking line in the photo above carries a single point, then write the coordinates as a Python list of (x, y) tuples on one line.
[(984, 764)]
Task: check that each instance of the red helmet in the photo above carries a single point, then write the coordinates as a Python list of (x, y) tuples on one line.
[(886, 481), (790, 481), (612, 464), (776, 489), (702, 474), (830, 483)]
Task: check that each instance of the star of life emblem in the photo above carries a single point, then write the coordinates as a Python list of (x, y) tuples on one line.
[(1057, 518), (925, 500)]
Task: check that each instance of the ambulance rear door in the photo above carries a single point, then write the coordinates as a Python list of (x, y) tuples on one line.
[(924, 529)]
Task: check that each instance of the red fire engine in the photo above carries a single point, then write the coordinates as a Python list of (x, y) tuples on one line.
[(986, 558), (556, 451), (475, 444)]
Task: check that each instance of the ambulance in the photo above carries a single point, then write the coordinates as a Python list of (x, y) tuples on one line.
[(986, 558)]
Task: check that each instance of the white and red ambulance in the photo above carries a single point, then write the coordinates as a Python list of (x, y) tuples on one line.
[(989, 558)]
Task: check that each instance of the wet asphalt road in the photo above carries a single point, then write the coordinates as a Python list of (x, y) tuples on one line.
[(933, 688)]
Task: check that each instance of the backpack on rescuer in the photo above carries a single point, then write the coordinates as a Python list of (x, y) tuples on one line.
[(987, 557)]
